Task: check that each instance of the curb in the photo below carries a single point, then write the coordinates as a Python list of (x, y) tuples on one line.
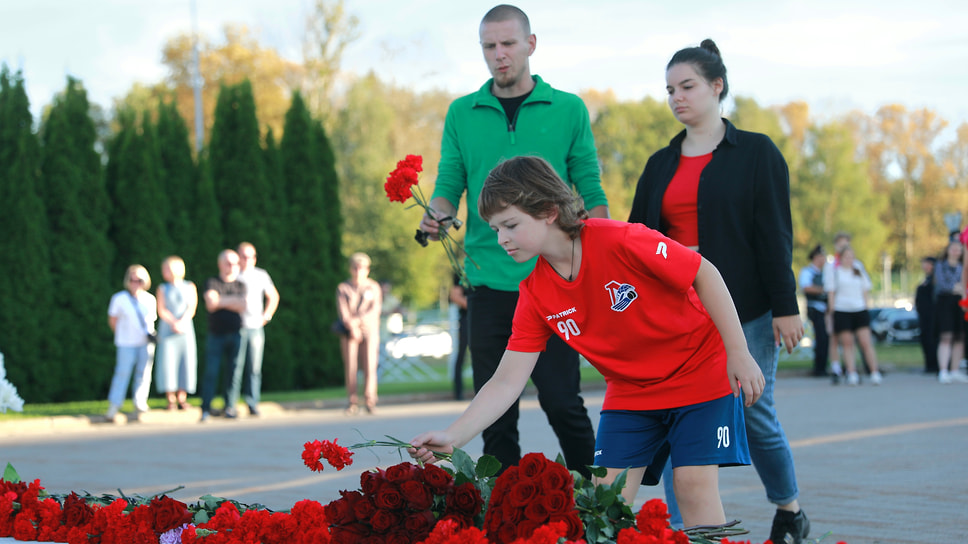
[(268, 410)]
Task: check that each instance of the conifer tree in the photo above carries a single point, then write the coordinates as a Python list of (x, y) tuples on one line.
[(177, 176), (333, 218), (236, 166), (202, 256), (309, 308), (25, 286), (72, 187), (138, 224), (276, 260)]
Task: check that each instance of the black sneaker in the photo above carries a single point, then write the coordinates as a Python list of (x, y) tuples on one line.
[(254, 411), (789, 528)]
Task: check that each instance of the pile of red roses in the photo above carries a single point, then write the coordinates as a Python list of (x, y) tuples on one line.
[(401, 505), (530, 495), (532, 503)]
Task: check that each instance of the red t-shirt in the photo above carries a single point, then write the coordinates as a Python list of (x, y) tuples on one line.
[(632, 312), (680, 212)]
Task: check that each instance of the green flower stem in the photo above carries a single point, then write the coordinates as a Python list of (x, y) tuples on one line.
[(452, 247), (399, 444)]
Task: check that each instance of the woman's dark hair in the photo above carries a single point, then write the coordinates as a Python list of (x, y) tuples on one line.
[(706, 60), (815, 251), (531, 184)]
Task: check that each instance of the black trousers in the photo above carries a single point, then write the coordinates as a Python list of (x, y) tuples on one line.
[(556, 376), (461, 352), (821, 344), (929, 341)]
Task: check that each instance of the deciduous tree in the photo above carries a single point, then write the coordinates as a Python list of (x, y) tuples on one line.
[(626, 135), (238, 57)]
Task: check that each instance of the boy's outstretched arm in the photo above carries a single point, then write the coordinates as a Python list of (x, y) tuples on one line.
[(741, 368), (497, 395)]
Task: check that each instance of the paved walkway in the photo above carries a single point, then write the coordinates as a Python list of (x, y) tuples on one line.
[(876, 464)]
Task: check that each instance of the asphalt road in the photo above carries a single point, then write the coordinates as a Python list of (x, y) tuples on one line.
[(884, 464)]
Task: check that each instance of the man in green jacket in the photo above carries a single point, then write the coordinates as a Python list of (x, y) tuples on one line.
[(515, 113)]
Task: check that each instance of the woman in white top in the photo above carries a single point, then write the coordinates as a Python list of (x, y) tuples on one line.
[(131, 315), (847, 290)]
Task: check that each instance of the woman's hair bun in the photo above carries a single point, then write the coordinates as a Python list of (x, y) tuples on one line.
[(710, 46)]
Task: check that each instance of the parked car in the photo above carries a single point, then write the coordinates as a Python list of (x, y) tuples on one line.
[(420, 341), (896, 325)]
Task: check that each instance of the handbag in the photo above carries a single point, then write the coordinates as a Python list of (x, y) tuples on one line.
[(152, 337), (338, 327)]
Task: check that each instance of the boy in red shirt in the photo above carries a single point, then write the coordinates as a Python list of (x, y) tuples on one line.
[(652, 316)]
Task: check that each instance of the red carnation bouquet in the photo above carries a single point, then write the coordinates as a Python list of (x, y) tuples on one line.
[(401, 184)]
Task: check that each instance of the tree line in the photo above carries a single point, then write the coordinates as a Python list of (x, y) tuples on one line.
[(76, 212)]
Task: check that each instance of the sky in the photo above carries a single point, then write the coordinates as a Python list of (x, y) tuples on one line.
[(835, 55)]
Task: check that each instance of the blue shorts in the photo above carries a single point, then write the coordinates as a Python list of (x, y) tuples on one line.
[(707, 433)]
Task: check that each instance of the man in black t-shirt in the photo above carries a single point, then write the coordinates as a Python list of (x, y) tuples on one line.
[(225, 301)]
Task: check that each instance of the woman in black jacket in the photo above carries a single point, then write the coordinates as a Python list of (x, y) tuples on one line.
[(725, 193)]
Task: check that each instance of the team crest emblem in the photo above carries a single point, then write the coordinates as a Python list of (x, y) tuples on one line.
[(622, 294)]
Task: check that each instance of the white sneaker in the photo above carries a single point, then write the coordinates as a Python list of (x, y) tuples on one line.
[(876, 378), (853, 378), (835, 368), (944, 377), (958, 376)]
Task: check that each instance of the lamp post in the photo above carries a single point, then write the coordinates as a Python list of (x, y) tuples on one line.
[(197, 82), (886, 277)]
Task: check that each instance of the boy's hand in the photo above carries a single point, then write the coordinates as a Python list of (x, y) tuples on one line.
[(745, 376), (424, 446)]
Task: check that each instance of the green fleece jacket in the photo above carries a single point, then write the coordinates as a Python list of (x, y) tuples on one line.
[(550, 124)]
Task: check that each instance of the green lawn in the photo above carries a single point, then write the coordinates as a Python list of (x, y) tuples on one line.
[(892, 358)]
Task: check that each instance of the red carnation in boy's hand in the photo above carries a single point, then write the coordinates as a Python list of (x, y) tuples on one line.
[(312, 452), (337, 456)]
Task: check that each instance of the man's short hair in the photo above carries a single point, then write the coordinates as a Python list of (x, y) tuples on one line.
[(507, 12)]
